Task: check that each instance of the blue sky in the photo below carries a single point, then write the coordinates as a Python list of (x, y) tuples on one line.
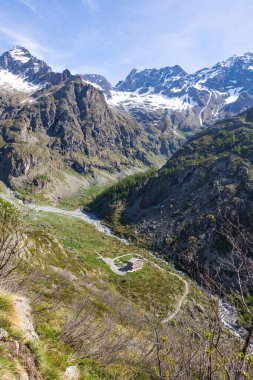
[(111, 37)]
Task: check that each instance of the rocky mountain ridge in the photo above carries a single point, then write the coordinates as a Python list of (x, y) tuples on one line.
[(22, 65), (177, 104), (209, 94), (98, 81), (51, 120), (30, 96)]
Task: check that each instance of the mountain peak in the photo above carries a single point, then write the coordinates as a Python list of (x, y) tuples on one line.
[(19, 53), (148, 80), (21, 48), (245, 58), (19, 64)]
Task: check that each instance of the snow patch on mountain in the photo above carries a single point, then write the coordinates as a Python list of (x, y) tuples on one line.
[(203, 109), (16, 82), (150, 100), (174, 89), (19, 54), (36, 67), (234, 94), (93, 84)]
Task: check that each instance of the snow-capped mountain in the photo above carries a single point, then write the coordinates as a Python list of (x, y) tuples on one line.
[(21, 71), (168, 102), (20, 62), (187, 101), (50, 121), (174, 81), (98, 81), (153, 80)]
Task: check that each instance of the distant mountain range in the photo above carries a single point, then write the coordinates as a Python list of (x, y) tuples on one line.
[(147, 116), (155, 97), (170, 98)]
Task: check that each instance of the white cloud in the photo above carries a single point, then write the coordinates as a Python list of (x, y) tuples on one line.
[(91, 4), (29, 4), (20, 39)]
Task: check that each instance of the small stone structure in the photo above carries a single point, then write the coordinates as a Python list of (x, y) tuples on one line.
[(134, 264), (71, 373)]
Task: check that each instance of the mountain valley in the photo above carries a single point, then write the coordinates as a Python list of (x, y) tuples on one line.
[(126, 223)]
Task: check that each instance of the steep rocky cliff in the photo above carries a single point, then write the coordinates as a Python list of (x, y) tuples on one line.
[(182, 208), (69, 124)]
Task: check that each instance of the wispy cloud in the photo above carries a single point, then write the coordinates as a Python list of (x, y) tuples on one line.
[(91, 4), (112, 37), (23, 40), (29, 4), (55, 58)]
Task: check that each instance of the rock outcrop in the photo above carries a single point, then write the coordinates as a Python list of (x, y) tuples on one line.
[(70, 124)]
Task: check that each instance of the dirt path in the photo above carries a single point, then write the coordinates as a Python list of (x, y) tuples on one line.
[(23, 319), (180, 302), (20, 316)]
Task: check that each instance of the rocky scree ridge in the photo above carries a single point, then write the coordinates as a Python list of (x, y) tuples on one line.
[(183, 208)]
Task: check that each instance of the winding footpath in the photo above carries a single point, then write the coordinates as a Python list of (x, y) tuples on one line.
[(93, 220), (115, 269), (180, 303), (225, 308)]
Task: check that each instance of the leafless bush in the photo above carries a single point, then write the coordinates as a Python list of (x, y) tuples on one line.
[(196, 350), (12, 240), (101, 335)]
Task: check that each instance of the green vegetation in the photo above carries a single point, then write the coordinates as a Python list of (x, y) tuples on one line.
[(81, 199), (219, 141), (150, 286), (6, 312), (123, 188), (109, 203), (84, 244), (65, 255), (30, 193), (7, 364)]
